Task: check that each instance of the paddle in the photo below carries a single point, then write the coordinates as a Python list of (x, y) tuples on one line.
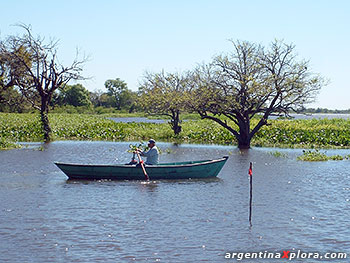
[(142, 166)]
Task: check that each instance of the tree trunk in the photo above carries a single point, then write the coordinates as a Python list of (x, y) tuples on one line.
[(44, 110), (244, 137), (175, 122), (243, 141)]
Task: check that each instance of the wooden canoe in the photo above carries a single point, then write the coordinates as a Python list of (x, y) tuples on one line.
[(180, 170)]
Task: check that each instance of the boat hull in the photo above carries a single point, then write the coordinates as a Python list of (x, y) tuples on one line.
[(184, 170)]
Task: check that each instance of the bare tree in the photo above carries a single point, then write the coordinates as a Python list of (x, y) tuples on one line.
[(252, 82), (163, 93), (34, 69)]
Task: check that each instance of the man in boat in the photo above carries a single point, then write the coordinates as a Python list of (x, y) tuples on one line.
[(152, 154)]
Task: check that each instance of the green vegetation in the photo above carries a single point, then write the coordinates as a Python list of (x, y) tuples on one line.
[(236, 92), (313, 156), (251, 79), (30, 64), (318, 156), (164, 93), (313, 133), (26, 127), (6, 145), (76, 95), (119, 96)]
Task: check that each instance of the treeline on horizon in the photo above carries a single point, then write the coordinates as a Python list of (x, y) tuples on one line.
[(251, 81), (323, 110), (77, 99), (117, 97)]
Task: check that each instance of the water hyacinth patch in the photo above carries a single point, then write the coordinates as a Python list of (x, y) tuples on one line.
[(298, 133), (313, 156), (6, 145), (325, 133), (20, 127), (318, 156)]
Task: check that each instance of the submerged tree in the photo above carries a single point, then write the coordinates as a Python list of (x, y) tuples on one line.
[(252, 82), (163, 93), (33, 68)]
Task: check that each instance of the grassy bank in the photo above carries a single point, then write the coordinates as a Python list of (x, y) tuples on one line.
[(333, 133)]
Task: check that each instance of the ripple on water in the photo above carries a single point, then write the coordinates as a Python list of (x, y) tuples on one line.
[(296, 205)]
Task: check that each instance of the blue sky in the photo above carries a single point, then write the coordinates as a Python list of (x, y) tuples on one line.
[(126, 38)]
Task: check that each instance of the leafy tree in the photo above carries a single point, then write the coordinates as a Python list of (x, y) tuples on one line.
[(123, 98), (102, 99), (163, 93), (75, 95), (95, 98), (107, 101), (252, 81), (116, 88), (10, 97), (12, 101), (32, 67), (129, 99)]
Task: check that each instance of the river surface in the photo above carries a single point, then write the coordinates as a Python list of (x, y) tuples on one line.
[(294, 116), (317, 116), (136, 119), (46, 218)]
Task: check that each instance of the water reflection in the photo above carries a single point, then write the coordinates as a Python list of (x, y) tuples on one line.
[(296, 205)]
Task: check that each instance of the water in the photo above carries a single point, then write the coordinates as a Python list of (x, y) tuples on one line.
[(137, 119), (45, 218), (317, 116), (295, 116)]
